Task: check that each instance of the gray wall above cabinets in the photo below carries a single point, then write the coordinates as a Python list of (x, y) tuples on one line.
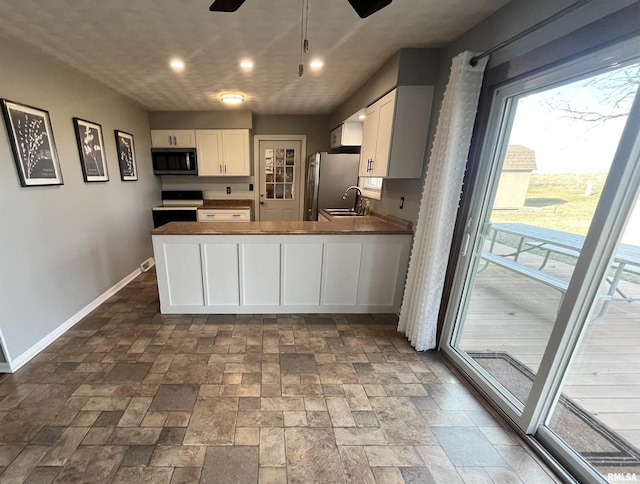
[(200, 119), (315, 127), (63, 246)]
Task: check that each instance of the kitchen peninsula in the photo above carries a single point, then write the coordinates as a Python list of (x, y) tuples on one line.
[(354, 265)]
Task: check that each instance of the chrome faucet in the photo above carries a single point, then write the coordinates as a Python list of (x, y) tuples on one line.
[(358, 195)]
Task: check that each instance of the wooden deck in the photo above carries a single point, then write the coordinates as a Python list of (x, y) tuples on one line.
[(513, 314)]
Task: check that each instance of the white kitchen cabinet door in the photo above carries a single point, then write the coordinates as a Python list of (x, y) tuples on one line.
[(369, 140), (341, 272), (173, 138), (409, 132), (260, 269), (183, 269), (235, 152), (209, 152), (386, 109), (379, 272), (222, 286), (395, 133), (301, 274)]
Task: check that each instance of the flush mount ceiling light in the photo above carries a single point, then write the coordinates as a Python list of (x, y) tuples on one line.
[(246, 64), (177, 65), (316, 64), (361, 117), (232, 98)]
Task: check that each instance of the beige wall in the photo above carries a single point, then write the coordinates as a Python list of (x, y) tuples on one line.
[(63, 246)]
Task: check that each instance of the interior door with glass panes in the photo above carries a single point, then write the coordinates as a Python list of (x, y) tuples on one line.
[(280, 168)]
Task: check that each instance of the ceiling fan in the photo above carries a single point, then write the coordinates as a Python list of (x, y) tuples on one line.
[(363, 8)]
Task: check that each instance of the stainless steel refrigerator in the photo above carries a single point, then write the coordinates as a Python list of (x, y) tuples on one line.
[(328, 176)]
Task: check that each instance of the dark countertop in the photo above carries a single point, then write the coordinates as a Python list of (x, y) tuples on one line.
[(356, 225)]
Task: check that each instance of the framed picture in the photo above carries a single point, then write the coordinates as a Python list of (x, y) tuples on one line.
[(126, 156), (91, 147), (34, 149)]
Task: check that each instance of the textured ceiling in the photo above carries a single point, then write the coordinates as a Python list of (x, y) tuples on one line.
[(127, 45)]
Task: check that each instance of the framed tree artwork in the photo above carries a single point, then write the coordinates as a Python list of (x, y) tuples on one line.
[(32, 143), (91, 147), (126, 156)]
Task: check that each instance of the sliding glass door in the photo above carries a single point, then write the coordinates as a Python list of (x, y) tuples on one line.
[(547, 275)]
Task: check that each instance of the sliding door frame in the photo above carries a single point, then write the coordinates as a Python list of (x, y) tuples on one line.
[(618, 196)]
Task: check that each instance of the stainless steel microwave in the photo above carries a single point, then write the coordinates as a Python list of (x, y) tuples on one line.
[(174, 161)]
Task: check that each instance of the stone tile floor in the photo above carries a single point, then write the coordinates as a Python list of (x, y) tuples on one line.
[(130, 395)]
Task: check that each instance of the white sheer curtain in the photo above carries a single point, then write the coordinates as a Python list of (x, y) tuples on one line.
[(439, 205)]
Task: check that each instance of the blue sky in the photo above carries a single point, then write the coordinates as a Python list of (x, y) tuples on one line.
[(563, 144)]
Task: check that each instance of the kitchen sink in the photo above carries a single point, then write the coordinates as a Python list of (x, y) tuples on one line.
[(342, 212)]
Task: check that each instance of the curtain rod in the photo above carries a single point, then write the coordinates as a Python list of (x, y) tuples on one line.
[(533, 28)]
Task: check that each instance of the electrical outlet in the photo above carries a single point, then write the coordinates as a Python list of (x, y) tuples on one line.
[(250, 187), (228, 190), (401, 203)]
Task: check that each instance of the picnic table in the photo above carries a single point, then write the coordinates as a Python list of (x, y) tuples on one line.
[(530, 237)]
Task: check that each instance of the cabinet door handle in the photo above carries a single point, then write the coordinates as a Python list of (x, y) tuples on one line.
[(236, 215), (225, 169), (372, 165), (170, 141), (220, 168)]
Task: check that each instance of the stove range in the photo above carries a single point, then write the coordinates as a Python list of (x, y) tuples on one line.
[(178, 205)]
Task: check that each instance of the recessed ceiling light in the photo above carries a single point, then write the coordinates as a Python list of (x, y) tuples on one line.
[(177, 65), (232, 98), (316, 64), (361, 117), (246, 64)]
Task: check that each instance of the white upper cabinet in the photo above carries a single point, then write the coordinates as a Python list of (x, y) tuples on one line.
[(223, 152), (209, 152), (395, 133), (235, 152), (173, 138)]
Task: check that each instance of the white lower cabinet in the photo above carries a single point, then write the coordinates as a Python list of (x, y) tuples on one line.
[(379, 273), (281, 273), (301, 274), (260, 271), (341, 273), (183, 272), (220, 264)]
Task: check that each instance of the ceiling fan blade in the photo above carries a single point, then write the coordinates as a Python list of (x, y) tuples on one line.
[(225, 5), (364, 8)]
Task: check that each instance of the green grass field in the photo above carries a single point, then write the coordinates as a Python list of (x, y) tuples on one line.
[(557, 201)]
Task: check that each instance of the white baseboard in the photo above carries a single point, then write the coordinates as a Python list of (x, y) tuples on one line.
[(15, 363)]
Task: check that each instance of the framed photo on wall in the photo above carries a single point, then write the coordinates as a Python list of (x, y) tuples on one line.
[(32, 143), (126, 156), (91, 147)]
